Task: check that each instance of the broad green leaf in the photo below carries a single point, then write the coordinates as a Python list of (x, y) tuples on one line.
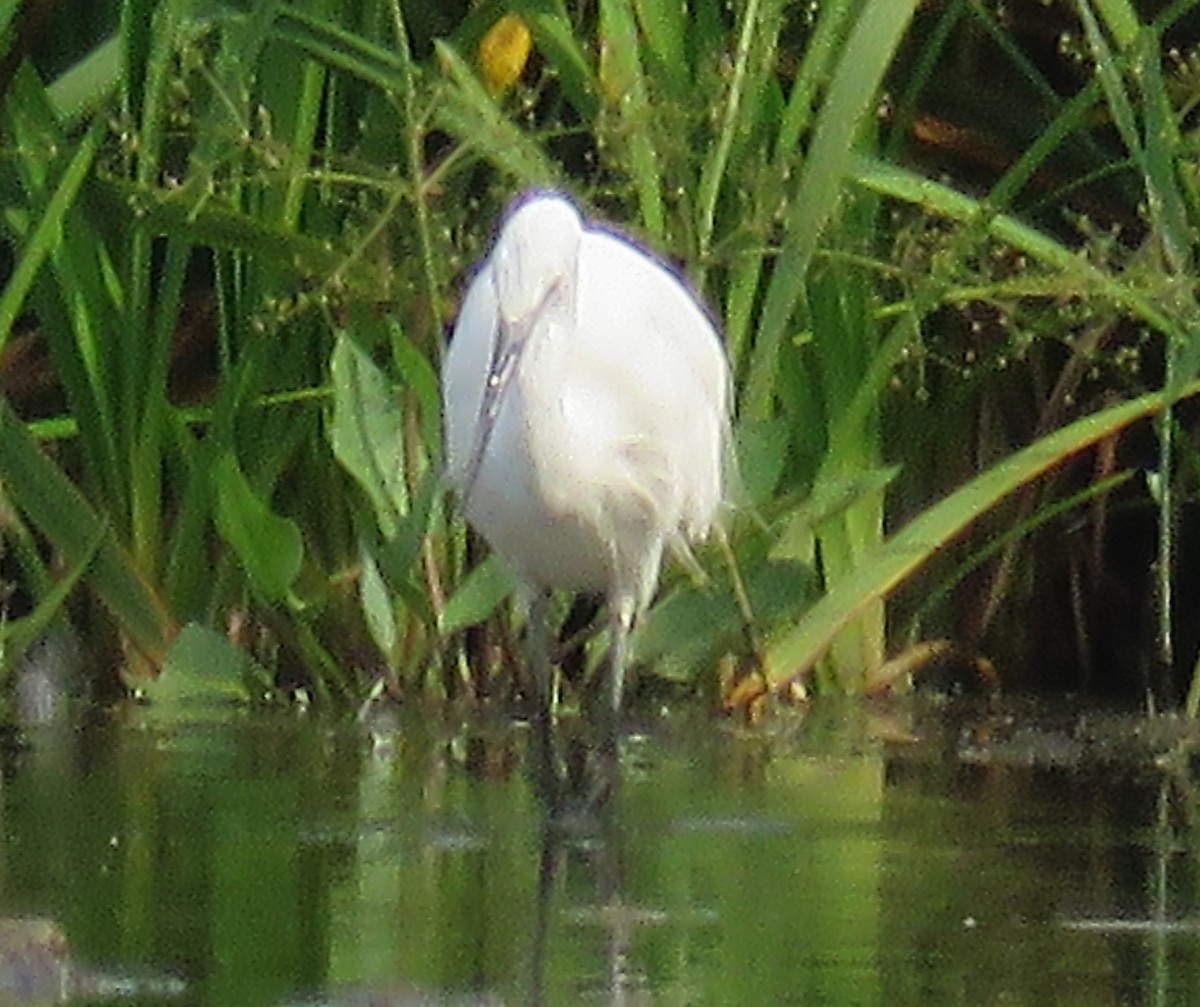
[(204, 673), (368, 432), (477, 597), (270, 547), (687, 631), (377, 604)]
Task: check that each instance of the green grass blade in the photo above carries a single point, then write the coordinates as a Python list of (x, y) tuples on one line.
[(798, 650), (469, 113), (624, 85), (83, 88), (947, 584), (419, 375), (16, 636), (827, 39), (556, 41), (8, 11), (46, 234), (1079, 277), (377, 604), (664, 27), (868, 53), (220, 227), (733, 116), (344, 50), (414, 144), (52, 504)]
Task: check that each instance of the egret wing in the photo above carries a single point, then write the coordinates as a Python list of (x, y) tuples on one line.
[(654, 346)]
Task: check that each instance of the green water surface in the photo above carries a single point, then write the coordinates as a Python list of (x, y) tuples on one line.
[(281, 859)]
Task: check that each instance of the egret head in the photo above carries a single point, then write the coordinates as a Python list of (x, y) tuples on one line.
[(535, 258)]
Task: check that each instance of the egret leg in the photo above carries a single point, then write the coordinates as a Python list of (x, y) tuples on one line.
[(539, 649), (602, 761), (538, 642)]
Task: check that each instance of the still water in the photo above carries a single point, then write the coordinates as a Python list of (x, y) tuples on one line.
[(929, 858)]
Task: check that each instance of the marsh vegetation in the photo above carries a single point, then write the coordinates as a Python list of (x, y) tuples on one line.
[(951, 249)]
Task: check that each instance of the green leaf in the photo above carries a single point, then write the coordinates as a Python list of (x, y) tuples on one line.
[(377, 604), (16, 636), (53, 505), (46, 234), (213, 223), (664, 26), (8, 12), (868, 53), (477, 597), (761, 455), (417, 372), (1078, 276), (557, 43), (625, 89), (469, 113), (270, 547), (85, 86), (204, 672), (688, 630), (344, 50), (829, 499), (798, 649), (368, 432), (397, 558)]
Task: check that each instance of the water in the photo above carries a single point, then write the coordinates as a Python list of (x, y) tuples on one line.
[(279, 859)]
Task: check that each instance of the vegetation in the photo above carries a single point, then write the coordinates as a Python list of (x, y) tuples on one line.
[(947, 262)]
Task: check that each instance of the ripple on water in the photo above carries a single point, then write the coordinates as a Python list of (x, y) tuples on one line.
[(732, 824)]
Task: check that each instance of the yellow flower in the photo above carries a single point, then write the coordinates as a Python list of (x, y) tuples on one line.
[(502, 54)]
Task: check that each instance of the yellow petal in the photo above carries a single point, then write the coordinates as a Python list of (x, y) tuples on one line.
[(503, 51)]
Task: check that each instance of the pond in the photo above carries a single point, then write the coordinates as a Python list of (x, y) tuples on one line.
[(926, 855)]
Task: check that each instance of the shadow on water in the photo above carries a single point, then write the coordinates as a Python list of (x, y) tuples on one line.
[(938, 855)]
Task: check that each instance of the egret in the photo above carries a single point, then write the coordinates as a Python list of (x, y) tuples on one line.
[(586, 406)]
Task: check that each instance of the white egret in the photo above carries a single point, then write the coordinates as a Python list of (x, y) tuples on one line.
[(586, 399)]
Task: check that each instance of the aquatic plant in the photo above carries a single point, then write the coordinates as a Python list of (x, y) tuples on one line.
[(235, 234)]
